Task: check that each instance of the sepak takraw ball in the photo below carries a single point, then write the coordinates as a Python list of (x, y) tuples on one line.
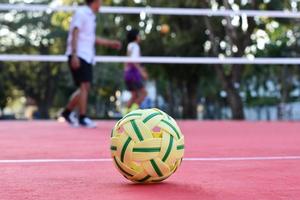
[(147, 146)]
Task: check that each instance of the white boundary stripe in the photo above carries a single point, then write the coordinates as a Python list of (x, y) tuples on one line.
[(256, 158), (162, 60), (54, 161), (156, 10)]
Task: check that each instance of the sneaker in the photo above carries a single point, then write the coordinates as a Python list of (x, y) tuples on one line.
[(134, 107), (87, 123), (70, 118)]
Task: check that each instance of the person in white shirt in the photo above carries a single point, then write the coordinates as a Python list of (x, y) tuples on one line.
[(134, 73), (81, 52)]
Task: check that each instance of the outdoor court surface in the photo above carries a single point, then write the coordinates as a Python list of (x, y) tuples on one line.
[(224, 160)]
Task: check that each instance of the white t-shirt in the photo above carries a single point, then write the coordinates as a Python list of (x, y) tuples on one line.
[(133, 50), (85, 20)]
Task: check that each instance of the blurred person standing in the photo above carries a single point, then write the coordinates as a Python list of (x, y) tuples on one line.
[(81, 52)]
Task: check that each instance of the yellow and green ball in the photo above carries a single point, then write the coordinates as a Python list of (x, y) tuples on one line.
[(147, 146)]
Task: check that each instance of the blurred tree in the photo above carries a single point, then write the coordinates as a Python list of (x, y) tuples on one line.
[(31, 33), (183, 86), (5, 89), (233, 43)]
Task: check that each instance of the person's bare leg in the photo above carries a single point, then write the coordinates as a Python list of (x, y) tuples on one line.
[(74, 100), (83, 97), (132, 99), (142, 93), (72, 104), (83, 101)]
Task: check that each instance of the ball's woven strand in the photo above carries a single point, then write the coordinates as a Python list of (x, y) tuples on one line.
[(143, 155)]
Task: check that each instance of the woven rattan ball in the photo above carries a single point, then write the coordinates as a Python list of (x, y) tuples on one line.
[(147, 146)]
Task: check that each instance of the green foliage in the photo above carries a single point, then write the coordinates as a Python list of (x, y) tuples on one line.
[(50, 84)]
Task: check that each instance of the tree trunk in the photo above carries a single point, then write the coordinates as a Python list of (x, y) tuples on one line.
[(227, 82), (234, 99), (285, 90), (190, 99), (235, 103), (45, 96), (171, 98), (43, 110)]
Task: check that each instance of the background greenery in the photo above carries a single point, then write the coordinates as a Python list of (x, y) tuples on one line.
[(184, 87)]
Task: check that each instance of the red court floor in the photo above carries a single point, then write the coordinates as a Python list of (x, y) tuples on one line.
[(47, 160)]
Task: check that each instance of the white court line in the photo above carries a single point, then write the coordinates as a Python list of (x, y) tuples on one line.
[(256, 158), (245, 158)]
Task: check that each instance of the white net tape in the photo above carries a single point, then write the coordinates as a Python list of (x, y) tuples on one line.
[(156, 60), (157, 11)]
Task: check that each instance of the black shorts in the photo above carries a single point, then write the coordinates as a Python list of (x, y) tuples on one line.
[(83, 74)]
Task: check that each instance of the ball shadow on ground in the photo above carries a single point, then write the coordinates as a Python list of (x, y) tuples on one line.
[(169, 189)]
